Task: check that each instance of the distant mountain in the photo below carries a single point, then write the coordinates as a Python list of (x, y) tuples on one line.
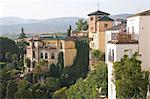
[(16, 20), (13, 25), (120, 16)]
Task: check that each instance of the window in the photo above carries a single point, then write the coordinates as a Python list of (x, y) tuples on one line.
[(33, 64), (91, 28), (111, 55), (25, 51), (46, 56), (33, 54), (52, 56), (41, 55), (33, 45), (133, 29), (91, 18), (61, 46), (28, 44), (105, 25)]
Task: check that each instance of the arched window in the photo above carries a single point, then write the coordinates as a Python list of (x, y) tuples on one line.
[(52, 56)]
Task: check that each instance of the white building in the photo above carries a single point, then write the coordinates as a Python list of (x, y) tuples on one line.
[(139, 24), (116, 51), (118, 43)]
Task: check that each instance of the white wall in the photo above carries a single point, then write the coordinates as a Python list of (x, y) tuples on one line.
[(108, 38), (119, 52), (111, 85), (144, 41), (133, 22), (141, 26)]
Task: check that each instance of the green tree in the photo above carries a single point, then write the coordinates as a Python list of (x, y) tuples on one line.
[(82, 89), (52, 83), (60, 93), (11, 89), (8, 56), (54, 71), (81, 25), (15, 58), (98, 55), (23, 90), (27, 62), (129, 79), (100, 76), (6, 74), (7, 45), (90, 87), (38, 92)]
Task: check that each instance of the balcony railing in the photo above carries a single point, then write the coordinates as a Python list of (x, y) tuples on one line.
[(124, 37), (50, 47)]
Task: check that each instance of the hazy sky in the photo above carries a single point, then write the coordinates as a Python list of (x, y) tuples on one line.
[(42, 9)]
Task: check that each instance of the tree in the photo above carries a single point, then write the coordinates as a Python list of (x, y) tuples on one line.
[(81, 25), (27, 62), (11, 89), (15, 57), (60, 94), (23, 90), (43, 64), (54, 71), (98, 55), (82, 89), (91, 87), (5, 76), (7, 45), (52, 83), (100, 76), (129, 79), (38, 92), (8, 56)]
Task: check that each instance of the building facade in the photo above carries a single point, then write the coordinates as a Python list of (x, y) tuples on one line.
[(134, 39), (139, 24), (116, 48), (48, 47), (98, 23)]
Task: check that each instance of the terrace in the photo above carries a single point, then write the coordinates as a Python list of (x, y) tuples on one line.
[(123, 38)]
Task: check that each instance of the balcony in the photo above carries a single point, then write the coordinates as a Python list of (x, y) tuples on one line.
[(120, 38), (48, 47)]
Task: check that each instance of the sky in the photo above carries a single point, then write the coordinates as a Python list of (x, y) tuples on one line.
[(43, 9)]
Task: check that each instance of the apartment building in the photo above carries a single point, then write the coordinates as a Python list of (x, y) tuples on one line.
[(120, 42), (47, 47)]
